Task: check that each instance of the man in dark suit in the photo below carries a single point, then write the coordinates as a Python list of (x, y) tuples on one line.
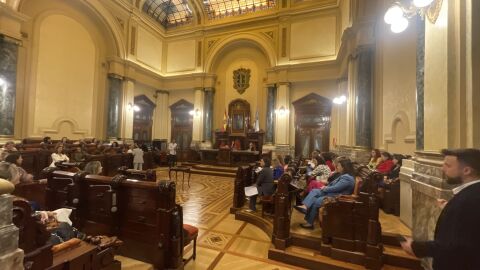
[(456, 243)]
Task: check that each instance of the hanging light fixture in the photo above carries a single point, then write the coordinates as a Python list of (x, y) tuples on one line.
[(398, 14)]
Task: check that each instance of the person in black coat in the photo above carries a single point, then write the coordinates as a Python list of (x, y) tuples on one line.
[(456, 243), (264, 182)]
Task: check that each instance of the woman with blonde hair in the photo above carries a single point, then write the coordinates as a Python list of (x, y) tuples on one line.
[(93, 167)]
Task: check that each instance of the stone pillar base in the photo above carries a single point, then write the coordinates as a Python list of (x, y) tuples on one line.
[(12, 260)]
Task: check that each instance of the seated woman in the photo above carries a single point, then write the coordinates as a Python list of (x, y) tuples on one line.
[(386, 165), (93, 167), (18, 174), (264, 183), (344, 184), (329, 157), (375, 159), (10, 170), (277, 169), (59, 156), (319, 175)]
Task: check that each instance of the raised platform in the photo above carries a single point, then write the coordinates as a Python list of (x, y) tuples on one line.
[(213, 170), (306, 245)]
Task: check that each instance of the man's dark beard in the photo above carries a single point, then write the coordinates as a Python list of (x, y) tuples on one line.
[(454, 180)]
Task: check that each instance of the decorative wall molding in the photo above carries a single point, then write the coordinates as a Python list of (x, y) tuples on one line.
[(55, 129), (402, 117)]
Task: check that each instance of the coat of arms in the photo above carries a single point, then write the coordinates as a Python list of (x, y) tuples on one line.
[(241, 79)]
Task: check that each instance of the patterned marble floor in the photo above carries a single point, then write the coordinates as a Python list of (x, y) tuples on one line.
[(223, 243)]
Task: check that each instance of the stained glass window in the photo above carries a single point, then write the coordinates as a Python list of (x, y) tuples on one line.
[(168, 12), (216, 9)]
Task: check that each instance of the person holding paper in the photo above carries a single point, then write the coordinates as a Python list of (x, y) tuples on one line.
[(264, 183)]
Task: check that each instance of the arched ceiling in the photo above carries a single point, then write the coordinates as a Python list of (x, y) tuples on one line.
[(178, 12)]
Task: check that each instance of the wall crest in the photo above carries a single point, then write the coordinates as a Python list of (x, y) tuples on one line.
[(241, 80)]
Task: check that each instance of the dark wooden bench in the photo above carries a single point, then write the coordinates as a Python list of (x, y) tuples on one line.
[(350, 225), (142, 214), (33, 239)]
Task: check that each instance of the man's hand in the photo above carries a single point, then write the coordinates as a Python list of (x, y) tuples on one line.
[(407, 245)]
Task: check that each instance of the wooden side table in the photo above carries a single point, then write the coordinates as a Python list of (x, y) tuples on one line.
[(181, 169)]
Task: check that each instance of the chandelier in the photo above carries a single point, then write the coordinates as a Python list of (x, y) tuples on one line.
[(398, 14)]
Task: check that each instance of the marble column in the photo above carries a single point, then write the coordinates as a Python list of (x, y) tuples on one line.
[(114, 105), (8, 78), (11, 257), (270, 123), (128, 96), (420, 24), (208, 117), (161, 120), (282, 120), (363, 97), (197, 134)]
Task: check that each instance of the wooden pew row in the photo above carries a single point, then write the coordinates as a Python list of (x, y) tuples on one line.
[(142, 214), (34, 161), (33, 239), (350, 225)]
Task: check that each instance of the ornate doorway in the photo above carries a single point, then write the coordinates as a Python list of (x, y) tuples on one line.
[(312, 124), (143, 119), (182, 128)]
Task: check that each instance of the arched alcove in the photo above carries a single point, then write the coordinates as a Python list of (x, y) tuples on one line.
[(240, 56), (401, 139), (65, 56)]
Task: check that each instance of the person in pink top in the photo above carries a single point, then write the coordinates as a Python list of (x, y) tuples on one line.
[(386, 165)]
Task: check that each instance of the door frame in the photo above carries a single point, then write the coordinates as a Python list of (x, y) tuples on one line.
[(312, 105)]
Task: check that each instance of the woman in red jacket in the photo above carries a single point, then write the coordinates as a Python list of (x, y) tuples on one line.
[(386, 165)]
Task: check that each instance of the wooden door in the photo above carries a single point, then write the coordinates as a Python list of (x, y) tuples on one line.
[(312, 124), (143, 119), (182, 128)]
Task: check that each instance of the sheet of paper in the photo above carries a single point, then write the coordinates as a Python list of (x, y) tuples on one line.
[(251, 191)]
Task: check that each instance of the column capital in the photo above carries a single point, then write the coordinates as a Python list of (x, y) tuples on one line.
[(165, 92), (209, 89), (115, 76), (284, 83)]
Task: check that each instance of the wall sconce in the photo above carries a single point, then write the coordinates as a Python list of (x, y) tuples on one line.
[(397, 15), (340, 100), (195, 113), (282, 111)]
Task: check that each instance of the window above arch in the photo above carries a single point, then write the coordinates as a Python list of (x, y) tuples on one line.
[(168, 12), (216, 9)]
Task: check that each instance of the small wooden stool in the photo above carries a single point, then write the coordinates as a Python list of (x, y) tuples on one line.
[(190, 234)]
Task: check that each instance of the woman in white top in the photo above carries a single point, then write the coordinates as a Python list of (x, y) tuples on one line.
[(58, 156), (137, 158)]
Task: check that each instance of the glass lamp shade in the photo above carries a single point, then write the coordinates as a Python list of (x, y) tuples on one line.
[(399, 25), (393, 14), (422, 3)]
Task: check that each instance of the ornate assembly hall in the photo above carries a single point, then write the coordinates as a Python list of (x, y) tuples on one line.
[(239, 134)]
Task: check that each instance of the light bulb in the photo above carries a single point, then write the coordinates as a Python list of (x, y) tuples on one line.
[(393, 14), (400, 25), (422, 3)]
